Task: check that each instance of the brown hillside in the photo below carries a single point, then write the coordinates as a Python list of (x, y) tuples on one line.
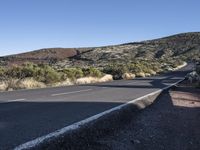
[(185, 46)]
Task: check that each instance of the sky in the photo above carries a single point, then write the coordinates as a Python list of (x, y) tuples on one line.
[(27, 25)]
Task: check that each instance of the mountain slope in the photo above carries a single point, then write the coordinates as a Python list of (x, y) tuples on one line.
[(184, 46)]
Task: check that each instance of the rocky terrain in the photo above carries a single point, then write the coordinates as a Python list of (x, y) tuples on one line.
[(171, 123), (184, 46)]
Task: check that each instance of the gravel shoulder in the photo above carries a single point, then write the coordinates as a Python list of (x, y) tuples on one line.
[(171, 123)]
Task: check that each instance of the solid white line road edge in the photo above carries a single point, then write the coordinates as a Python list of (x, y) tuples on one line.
[(77, 125)]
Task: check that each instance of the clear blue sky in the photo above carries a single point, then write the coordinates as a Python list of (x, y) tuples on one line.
[(33, 24)]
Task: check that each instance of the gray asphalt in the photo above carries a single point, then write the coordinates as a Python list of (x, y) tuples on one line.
[(28, 114)]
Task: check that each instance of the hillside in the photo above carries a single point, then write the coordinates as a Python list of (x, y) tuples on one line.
[(185, 46)]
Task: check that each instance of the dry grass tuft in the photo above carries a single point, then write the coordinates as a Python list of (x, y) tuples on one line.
[(140, 74), (128, 76), (106, 78), (86, 80), (89, 80), (3, 86), (11, 84), (64, 83), (147, 74), (29, 83), (151, 72), (16, 84)]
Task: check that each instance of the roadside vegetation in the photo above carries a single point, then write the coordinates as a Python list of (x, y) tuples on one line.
[(30, 75), (140, 68), (198, 75), (194, 76)]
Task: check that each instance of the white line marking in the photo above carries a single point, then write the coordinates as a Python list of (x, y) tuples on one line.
[(15, 100), (131, 83), (77, 125), (104, 87), (58, 94)]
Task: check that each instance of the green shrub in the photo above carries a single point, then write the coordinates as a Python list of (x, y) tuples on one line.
[(14, 72), (51, 76), (2, 71), (146, 67), (92, 72), (73, 73), (29, 70), (47, 74), (117, 70)]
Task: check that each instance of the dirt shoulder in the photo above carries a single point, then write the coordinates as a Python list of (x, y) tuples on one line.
[(171, 123)]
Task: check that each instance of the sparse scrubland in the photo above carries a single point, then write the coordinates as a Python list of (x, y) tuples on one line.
[(30, 75), (62, 66)]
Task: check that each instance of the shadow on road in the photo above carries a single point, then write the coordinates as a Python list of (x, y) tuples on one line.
[(145, 83), (18, 123)]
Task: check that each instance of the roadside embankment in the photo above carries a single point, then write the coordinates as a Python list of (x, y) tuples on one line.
[(171, 123)]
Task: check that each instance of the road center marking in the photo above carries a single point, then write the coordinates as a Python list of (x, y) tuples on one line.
[(58, 94)]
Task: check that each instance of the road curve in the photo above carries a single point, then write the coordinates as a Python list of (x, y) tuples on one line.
[(28, 114)]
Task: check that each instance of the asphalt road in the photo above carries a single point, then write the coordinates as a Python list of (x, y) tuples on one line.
[(28, 114)]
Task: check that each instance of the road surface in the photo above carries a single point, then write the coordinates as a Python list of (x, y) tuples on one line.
[(28, 114)]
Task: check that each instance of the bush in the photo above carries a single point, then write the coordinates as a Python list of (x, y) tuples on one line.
[(2, 73), (73, 73), (135, 67), (116, 70), (29, 83), (47, 75), (92, 72), (14, 72), (29, 70), (20, 72)]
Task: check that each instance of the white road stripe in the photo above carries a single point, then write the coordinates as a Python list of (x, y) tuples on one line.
[(130, 83), (58, 94), (104, 87), (14, 100)]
